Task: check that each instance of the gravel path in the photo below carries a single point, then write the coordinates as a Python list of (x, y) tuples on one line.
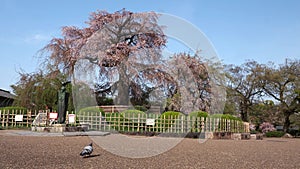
[(63, 152)]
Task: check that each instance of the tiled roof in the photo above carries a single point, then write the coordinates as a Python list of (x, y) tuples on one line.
[(6, 94)]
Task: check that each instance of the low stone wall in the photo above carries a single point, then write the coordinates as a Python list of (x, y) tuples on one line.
[(56, 128), (223, 135), (237, 136)]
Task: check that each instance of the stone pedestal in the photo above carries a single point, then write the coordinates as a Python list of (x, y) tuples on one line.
[(85, 126), (245, 136), (223, 135), (259, 136), (55, 128), (253, 136), (209, 135), (58, 128), (237, 136)]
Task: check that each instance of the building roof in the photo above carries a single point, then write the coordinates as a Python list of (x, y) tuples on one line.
[(6, 94)]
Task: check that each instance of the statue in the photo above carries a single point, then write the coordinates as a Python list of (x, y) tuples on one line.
[(62, 104)]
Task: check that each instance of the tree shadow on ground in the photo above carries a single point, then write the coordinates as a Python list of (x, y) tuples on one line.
[(277, 140)]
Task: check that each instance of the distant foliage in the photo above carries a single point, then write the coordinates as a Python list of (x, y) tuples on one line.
[(38, 90), (266, 127)]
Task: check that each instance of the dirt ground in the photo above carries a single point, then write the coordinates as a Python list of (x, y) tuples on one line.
[(63, 152)]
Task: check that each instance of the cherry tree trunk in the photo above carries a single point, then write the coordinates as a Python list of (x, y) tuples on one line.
[(122, 87)]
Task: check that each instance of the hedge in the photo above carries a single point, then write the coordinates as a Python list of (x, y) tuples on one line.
[(198, 113), (274, 134)]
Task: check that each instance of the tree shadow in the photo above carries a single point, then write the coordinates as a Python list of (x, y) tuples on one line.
[(277, 140), (91, 156)]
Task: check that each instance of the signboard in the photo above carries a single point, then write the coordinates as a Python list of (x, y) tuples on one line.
[(72, 118), (52, 115), (19, 117), (150, 122)]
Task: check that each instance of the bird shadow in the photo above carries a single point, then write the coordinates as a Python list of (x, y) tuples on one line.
[(92, 156)]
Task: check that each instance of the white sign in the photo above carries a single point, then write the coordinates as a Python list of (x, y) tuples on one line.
[(19, 117), (53, 115), (72, 118), (150, 122)]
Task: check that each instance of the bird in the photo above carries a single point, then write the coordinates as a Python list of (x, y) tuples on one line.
[(87, 150)]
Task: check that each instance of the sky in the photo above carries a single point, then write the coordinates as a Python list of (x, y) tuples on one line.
[(239, 30)]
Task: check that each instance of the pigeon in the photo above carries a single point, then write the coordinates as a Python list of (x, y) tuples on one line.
[(87, 150)]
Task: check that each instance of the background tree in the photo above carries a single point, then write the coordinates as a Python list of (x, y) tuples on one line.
[(266, 111), (232, 103), (190, 88), (38, 90), (243, 86), (283, 85), (295, 119)]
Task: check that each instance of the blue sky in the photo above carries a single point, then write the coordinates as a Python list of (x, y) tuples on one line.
[(261, 30)]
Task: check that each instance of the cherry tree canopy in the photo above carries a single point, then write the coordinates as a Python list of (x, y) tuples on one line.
[(120, 54)]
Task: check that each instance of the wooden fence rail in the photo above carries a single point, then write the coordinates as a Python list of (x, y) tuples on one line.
[(158, 123), (132, 122), (16, 118), (121, 108)]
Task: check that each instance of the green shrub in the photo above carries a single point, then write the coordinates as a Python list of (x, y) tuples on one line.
[(196, 125), (124, 121), (198, 113), (113, 118), (216, 116), (132, 112), (253, 132), (129, 119), (225, 116), (89, 115), (167, 119), (171, 114), (92, 111), (275, 134), (141, 108), (222, 123), (16, 110)]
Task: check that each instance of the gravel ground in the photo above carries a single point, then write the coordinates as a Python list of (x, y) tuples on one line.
[(63, 152)]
